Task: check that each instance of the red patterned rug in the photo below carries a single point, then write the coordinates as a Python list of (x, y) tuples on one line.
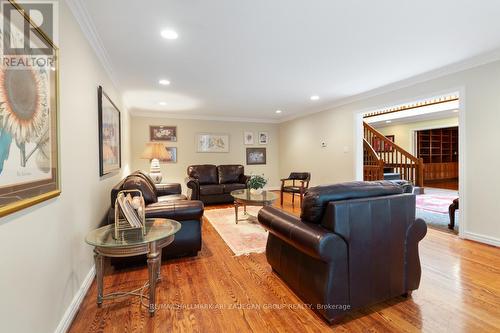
[(248, 236), (436, 203)]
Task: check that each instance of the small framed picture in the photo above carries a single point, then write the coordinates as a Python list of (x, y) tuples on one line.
[(256, 156), (263, 138), (172, 152), (163, 133), (212, 143), (248, 138)]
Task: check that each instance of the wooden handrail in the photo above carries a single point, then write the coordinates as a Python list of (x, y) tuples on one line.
[(382, 137), (395, 157), (370, 151)]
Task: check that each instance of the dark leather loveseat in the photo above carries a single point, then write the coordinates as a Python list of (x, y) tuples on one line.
[(213, 184), (354, 245), (165, 201)]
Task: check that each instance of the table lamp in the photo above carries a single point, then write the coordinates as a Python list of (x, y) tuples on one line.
[(155, 151)]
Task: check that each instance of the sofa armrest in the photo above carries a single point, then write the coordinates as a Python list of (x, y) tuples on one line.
[(415, 233), (244, 179), (193, 186), (311, 239), (168, 189)]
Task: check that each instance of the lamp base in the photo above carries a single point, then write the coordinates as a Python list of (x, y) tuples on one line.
[(155, 172)]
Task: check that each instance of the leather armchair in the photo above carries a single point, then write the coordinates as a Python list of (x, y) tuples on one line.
[(164, 201), (302, 178), (213, 184), (354, 245)]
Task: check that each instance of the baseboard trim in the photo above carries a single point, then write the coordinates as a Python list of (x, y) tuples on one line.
[(73, 307), (482, 238)]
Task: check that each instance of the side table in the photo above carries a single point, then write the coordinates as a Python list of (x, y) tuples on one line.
[(159, 233)]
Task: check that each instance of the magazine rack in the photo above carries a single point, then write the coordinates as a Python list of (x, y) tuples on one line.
[(130, 219)]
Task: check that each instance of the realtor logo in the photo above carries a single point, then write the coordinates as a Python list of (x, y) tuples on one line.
[(24, 37)]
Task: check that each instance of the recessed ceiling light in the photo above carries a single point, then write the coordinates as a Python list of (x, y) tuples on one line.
[(169, 34), (314, 97), (388, 121), (163, 103), (278, 111), (164, 82)]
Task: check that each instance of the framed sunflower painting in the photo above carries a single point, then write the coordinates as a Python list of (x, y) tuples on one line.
[(29, 158)]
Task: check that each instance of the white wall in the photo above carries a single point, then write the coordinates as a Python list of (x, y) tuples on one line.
[(44, 258), (404, 133), (480, 184), (186, 146)]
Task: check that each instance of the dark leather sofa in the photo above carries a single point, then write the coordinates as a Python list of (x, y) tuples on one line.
[(165, 201), (213, 184), (355, 244)]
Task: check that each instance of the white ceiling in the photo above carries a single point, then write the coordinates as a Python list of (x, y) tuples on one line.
[(246, 59)]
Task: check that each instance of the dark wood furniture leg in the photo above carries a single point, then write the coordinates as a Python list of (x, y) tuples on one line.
[(451, 211)]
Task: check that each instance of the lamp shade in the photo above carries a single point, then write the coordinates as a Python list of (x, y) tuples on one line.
[(155, 150)]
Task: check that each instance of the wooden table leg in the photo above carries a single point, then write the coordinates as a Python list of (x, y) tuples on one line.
[(236, 211), (153, 264), (99, 267), (451, 211)]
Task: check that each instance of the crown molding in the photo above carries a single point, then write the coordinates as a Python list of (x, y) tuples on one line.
[(158, 114), (476, 61), (87, 26)]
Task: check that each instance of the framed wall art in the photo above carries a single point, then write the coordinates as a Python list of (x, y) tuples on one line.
[(29, 95), (256, 156), (163, 133), (378, 146), (248, 138), (263, 138), (172, 153), (109, 134), (212, 143)]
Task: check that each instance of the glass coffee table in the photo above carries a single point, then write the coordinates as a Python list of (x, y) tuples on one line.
[(159, 233), (246, 198)]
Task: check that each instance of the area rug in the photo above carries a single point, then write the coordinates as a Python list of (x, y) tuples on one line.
[(248, 236), (438, 220), (435, 203), (433, 206)]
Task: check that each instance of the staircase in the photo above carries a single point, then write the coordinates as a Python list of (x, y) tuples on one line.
[(383, 159)]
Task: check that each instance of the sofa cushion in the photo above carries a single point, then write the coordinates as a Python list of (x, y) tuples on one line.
[(211, 189), (135, 182), (230, 173), (144, 176), (180, 210), (231, 187), (171, 197), (317, 198), (206, 173)]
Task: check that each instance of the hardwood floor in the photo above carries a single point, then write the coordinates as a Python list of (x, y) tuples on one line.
[(459, 292), (445, 184)]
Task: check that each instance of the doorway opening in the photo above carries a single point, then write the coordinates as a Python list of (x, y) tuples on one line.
[(418, 142)]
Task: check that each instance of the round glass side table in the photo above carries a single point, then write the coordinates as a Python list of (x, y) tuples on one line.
[(159, 233)]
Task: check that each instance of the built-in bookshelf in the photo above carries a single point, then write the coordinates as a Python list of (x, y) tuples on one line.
[(439, 150)]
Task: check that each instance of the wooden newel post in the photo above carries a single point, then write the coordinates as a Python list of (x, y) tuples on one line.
[(420, 173), (381, 169)]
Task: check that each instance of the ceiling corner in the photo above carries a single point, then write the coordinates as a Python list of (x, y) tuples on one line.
[(87, 26)]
